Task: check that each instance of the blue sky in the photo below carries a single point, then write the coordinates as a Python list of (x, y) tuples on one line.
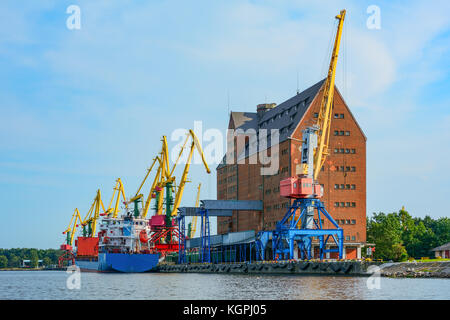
[(80, 108)]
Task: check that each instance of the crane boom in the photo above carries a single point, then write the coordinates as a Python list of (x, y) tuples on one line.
[(93, 214), (195, 144), (72, 228), (156, 180), (120, 192), (137, 195), (192, 227), (326, 105)]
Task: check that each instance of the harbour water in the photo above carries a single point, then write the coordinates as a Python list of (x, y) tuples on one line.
[(153, 286)]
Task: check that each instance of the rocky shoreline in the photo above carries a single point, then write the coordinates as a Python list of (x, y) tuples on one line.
[(438, 269)]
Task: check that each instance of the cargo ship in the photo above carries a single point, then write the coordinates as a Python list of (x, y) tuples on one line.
[(122, 245)]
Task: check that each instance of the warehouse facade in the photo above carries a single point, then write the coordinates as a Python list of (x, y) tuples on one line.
[(343, 175)]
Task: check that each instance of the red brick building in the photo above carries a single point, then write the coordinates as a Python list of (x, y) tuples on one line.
[(343, 175)]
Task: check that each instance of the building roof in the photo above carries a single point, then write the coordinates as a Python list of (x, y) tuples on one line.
[(443, 247), (285, 117), (289, 113), (244, 120)]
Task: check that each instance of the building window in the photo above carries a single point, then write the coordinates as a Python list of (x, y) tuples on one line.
[(341, 116), (336, 186), (353, 238), (316, 221), (353, 204), (316, 115), (342, 204), (352, 169), (341, 133), (353, 187), (344, 150), (347, 133), (336, 204), (353, 221), (336, 133), (347, 238)]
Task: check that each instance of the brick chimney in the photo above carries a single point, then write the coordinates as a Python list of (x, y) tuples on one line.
[(262, 108)]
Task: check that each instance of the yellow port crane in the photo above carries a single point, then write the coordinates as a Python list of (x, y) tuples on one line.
[(167, 180), (120, 192), (92, 216), (139, 197), (164, 178), (166, 237), (195, 144), (72, 228), (192, 226)]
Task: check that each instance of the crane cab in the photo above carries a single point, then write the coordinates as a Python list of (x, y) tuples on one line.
[(300, 187), (66, 247)]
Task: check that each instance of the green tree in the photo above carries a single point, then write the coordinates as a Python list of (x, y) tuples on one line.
[(441, 229), (47, 261), (3, 262), (415, 235), (386, 232), (14, 261), (34, 259)]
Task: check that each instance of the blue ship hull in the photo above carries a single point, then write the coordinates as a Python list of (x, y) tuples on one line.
[(120, 262)]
